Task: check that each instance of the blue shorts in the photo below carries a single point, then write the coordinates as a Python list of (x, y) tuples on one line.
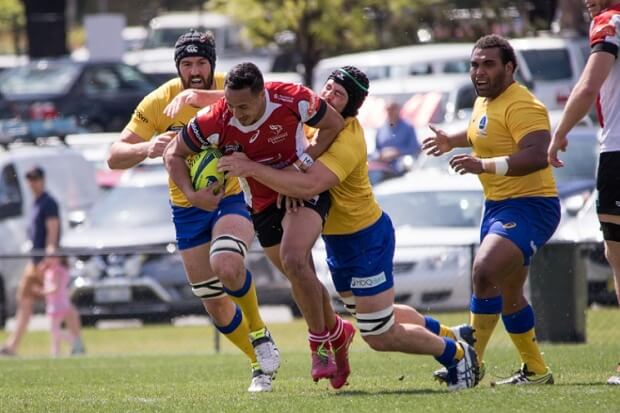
[(194, 225), (362, 262), (528, 222)]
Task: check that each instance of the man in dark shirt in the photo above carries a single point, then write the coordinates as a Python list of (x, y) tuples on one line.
[(44, 232)]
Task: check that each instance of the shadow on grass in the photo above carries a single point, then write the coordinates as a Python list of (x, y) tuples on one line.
[(389, 392)]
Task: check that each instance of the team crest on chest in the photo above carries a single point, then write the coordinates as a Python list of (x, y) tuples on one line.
[(483, 123)]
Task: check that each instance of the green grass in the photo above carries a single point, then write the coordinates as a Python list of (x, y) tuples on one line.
[(175, 369)]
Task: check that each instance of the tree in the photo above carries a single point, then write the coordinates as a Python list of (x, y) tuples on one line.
[(12, 17), (320, 27)]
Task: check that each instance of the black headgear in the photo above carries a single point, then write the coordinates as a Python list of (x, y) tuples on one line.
[(355, 82), (195, 43)]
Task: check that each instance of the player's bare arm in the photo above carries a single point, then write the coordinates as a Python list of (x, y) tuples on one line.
[(531, 157), (290, 182), (175, 157), (442, 142), (197, 98), (580, 101), (329, 127), (131, 149)]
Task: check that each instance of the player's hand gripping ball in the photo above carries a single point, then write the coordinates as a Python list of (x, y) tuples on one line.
[(203, 168)]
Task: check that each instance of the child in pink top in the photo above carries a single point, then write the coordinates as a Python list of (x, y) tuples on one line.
[(57, 302)]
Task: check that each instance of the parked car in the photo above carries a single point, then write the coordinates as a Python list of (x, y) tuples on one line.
[(156, 56), (436, 218), (69, 178), (553, 63), (584, 228), (398, 62), (95, 147), (575, 181), (126, 263), (99, 96)]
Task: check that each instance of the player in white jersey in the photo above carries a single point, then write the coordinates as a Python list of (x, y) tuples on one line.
[(600, 82)]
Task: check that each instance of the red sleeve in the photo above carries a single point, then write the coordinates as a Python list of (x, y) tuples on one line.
[(304, 102), (206, 127), (605, 32)]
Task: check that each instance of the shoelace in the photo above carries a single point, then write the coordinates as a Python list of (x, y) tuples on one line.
[(322, 352)]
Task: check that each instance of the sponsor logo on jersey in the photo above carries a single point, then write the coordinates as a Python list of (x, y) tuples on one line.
[(279, 134), (255, 136), (232, 147), (368, 282), (283, 98), (197, 134), (140, 116)]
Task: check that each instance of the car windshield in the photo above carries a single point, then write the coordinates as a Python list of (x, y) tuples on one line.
[(433, 208), (131, 207), (548, 64), (579, 162), (45, 77)]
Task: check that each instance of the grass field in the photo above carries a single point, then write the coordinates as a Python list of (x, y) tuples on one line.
[(175, 369)]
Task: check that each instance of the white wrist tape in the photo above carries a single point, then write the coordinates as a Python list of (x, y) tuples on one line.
[(306, 161), (501, 165)]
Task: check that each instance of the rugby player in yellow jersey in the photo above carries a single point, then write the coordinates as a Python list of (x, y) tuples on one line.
[(509, 133), (359, 238), (213, 228)]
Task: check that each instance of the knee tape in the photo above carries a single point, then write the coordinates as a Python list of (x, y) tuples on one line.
[(377, 323), (228, 243), (611, 231), (209, 290), (349, 304)]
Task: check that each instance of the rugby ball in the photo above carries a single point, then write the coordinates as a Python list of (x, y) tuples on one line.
[(203, 168)]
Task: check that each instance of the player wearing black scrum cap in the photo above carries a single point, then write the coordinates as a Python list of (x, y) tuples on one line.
[(213, 228)]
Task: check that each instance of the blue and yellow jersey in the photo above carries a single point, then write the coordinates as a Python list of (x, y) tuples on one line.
[(353, 204), (496, 129), (148, 120)]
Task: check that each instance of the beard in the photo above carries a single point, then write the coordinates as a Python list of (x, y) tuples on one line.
[(197, 82)]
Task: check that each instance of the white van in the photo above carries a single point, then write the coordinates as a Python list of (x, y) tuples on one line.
[(397, 62), (69, 178), (157, 55), (553, 63), (417, 60)]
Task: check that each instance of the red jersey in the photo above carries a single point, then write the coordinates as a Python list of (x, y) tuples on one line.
[(276, 139), (605, 37)]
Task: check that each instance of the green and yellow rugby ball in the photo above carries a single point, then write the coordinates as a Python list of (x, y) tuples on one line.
[(203, 168)]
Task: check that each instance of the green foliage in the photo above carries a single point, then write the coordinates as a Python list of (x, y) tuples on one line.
[(11, 10)]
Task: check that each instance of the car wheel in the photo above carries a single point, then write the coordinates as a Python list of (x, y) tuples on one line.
[(157, 319), (95, 127), (295, 311), (88, 321)]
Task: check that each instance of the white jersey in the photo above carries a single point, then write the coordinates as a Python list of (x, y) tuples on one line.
[(605, 37)]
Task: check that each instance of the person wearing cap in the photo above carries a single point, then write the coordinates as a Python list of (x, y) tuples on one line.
[(213, 228), (44, 233), (359, 241), (265, 121)]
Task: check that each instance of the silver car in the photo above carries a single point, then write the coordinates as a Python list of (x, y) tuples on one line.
[(436, 218), (126, 263)]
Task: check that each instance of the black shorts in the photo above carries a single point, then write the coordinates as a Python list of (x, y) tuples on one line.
[(608, 183), (268, 222)]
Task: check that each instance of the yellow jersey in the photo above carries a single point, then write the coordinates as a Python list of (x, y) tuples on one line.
[(496, 128), (149, 120), (354, 206)]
